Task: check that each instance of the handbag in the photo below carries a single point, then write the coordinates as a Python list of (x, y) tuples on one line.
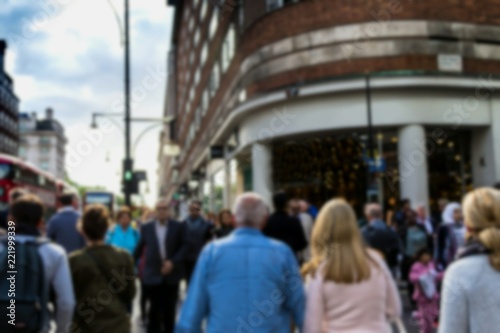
[(427, 284), (399, 325)]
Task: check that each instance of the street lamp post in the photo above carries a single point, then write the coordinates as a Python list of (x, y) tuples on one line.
[(128, 173), (128, 163)]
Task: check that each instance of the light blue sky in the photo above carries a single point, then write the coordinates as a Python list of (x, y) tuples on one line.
[(66, 54)]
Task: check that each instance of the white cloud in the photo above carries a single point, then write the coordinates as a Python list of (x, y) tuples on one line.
[(75, 64)]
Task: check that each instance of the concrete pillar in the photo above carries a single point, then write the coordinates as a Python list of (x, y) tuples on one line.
[(227, 185), (483, 157), (413, 171), (211, 194), (201, 190), (495, 134), (262, 172)]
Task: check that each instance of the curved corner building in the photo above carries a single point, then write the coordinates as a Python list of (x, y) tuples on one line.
[(368, 100)]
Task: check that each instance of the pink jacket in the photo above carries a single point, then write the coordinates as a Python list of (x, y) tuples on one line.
[(417, 270), (355, 308)]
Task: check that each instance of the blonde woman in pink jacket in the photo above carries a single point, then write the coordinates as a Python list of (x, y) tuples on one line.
[(349, 287)]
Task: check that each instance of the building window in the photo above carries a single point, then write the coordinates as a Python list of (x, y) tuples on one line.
[(214, 23), (191, 58), (214, 80), (191, 24), (241, 17), (204, 54), (197, 77), (44, 140), (44, 151), (205, 101), (243, 96), (203, 12), (274, 4), (22, 152), (191, 94), (197, 118), (44, 165), (196, 38), (228, 48)]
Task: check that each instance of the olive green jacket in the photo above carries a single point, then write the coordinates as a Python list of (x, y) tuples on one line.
[(104, 284)]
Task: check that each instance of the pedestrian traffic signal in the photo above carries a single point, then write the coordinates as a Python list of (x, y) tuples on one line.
[(128, 175)]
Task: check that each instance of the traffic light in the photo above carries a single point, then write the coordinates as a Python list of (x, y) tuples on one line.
[(128, 175), (129, 186)]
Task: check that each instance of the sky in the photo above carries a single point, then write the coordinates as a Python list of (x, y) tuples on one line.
[(67, 55)]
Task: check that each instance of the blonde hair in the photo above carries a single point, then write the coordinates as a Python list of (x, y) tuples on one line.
[(482, 218), (336, 242)]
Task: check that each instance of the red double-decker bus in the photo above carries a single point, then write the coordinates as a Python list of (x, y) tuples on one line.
[(16, 173)]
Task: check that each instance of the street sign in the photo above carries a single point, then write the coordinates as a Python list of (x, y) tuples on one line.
[(450, 63), (140, 175), (216, 152)]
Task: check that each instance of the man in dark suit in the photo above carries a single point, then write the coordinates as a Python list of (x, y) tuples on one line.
[(164, 243), (199, 234), (283, 227), (61, 227)]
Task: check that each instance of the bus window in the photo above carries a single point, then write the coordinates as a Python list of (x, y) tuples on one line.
[(5, 171), (104, 198), (28, 177)]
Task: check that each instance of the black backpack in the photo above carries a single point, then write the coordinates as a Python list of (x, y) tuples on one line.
[(385, 241), (23, 287)]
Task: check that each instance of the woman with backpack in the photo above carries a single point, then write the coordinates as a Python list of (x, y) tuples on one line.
[(103, 278), (471, 288), (122, 234)]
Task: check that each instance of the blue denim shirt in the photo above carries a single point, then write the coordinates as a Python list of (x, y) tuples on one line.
[(245, 282)]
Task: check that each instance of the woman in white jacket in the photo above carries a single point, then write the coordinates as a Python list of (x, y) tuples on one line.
[(471, 289)]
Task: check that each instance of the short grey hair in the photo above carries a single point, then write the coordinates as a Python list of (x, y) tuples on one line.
[(250, 210), (374, 210)]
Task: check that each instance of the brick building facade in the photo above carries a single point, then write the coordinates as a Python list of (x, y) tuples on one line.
[(386, 73)]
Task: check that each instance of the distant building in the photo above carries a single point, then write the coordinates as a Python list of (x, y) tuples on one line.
[(9, 137), (43, 142)]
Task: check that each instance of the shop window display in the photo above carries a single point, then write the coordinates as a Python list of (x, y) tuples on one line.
[(318, 169)]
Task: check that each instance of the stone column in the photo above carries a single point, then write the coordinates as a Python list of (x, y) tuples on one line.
[(413, 172), (262, 172)]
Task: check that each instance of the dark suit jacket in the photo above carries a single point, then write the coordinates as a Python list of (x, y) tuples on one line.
[(176, 246), (287, 229), (61, 228)]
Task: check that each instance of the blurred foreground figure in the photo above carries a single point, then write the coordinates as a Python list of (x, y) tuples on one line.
[(471, 289), (4, 214), (103, 278), (199, 233), (245, 282), (451, 234), (40, 265), (61, 227), (283, 227), (350, 287), (163, 242)]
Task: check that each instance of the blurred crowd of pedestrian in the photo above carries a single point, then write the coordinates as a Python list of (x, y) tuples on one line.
[(250, 270)]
